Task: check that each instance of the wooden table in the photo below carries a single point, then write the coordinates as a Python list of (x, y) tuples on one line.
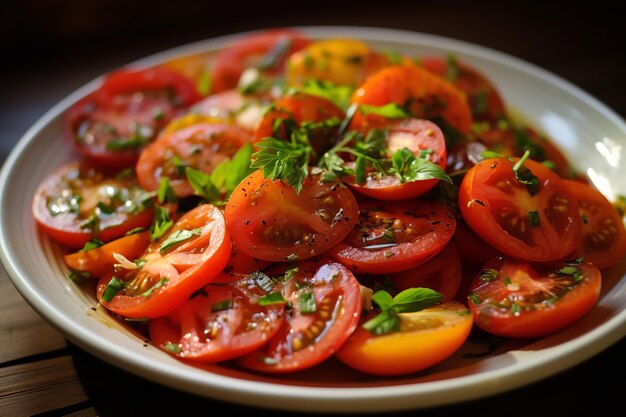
[(41, 373)]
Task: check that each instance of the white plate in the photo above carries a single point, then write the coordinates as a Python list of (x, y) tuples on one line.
[(588, 132)]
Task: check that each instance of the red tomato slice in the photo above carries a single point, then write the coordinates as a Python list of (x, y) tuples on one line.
[(312, 335), (218, 323), (417, 135), (113, 124), (472, 248), (100, 261), (78, 203), (482, 95), (603, 234), (300, 108), (174, 267), (248, 52), (268, 220), (201, 146), (425, 95), (426, 338), (395, 238), (516, 299), (500, 209)]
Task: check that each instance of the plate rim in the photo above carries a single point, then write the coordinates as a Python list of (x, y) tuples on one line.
[(256, 393)]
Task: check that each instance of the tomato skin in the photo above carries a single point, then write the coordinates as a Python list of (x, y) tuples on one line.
[(230, 63), (472, 248), (604, 237), (306, 339), (188, 266), (531, 285), (482, 95), (302, 108), (129, 104), (444, 330), (87, 186), (423, 230), (496, 206), (424, 92), (240, 329), (416, 135), (269, 221), (99, 261), (202, 146)]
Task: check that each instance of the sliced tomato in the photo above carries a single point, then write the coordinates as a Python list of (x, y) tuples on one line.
[(395, 238), (423, 94), (339, 61), (297, 109), (219, 322), (417, 136), (249, 51), (326, 304), (603, 240), (78, 202), (269, 221), (113, 124), (516, 299), (501, 210), (201, 146), (187, 257), (472, 248), (232, 106), (426, 338), (101, 260), (482, 95)]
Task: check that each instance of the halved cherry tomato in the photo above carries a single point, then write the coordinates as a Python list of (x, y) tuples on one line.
[(219, 322), (426, 338), (395, 238), (326, 304), (603, 241), (249, 51), (417, 135), (501, 210), (339, 61), (100, 261), (423, 94), (78, 202), (517, 299), (482, 95), (232, 106), (113, 124), (201, 146), (187, 257), (297, 109), (268, 220)]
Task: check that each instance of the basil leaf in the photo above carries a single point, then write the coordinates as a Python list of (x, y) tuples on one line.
[(177, 237), (389, 111)]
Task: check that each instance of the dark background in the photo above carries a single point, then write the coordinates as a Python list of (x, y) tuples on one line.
[(50, 48)]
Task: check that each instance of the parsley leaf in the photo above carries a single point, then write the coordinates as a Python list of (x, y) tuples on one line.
[(338, 94), (282, 160)]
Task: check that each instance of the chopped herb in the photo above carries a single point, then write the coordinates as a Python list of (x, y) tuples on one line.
[(526, 144), (306, 302), (78, 276), (135, 230), (222, 305), (274, 56), (204, 83), (389, 111), (155, 287), (525, 176), (104, 208), (533, 218), (407, 168), (92, 244), (410, 300), (140, 262), (452, 67), (515, 308), (202, 184), (125, 143), (162, 223), (165, 193), (475, 298), (489, 275), (171, 347), (177, 237), (576, 261), (338, 94), (90, 223), (263, 281), (507, 281), (113, 287), (284, 160), (271, 298), (571, 271), (290, 273)]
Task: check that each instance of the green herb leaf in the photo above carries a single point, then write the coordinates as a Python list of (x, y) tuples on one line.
[(125, 143), (171, 347), (338, 94), (177, 237), (415, 299), (533, 218), (78, 276), (92, 244), (389, 111), (155, 287), (162, 223), (306, 302), (166, 193), (282, 160), (386, 322), (525, 176), (222, 305), (202, 184), (452, 67), (263, 281), (271, 298), (114, 286), (488, 275), (274, 56), (408, 168), (383, 299), (227, 175)]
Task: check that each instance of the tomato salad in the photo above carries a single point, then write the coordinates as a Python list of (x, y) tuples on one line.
[(287, 200)]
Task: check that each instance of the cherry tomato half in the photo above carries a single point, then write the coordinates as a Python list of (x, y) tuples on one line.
[(395, 238), (201, 146), (187, 257), (113, 124), (425, 338), (603, 234), (78, 203), (268, 220), (501, 210), (326, 303), (517, 299), (218, 323)]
